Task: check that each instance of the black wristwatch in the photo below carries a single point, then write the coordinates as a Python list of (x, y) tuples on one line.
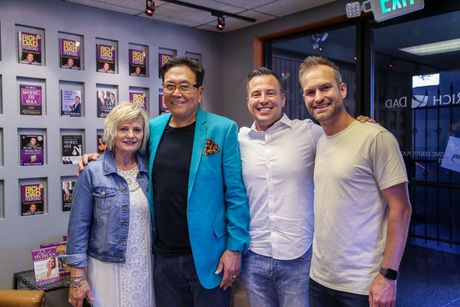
[(389, 273)]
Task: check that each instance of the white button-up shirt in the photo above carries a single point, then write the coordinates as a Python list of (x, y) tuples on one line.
[(278, 175)]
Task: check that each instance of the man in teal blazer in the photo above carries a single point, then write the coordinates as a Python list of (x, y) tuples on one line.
[(199, 203)]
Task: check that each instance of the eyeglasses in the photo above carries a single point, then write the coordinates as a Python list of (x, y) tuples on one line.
[(184, 87)]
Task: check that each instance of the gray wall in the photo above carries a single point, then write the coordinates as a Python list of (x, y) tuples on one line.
[(238, 55), (19, 234)]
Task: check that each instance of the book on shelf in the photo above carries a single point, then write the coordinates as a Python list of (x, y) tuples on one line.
[(138, 98), (163, 58), (46, 265), (67, 194), (137, 63), (101, 146), (106, 101), (30, 99), (105, 58), (32, 149), (71, 103), (30, 48), (32, 199), (69, 53), (72, 148), (61, 247)]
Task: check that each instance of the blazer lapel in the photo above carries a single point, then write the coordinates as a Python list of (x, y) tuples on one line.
[(199, 142)]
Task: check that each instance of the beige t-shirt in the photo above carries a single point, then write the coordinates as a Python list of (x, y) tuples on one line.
[(352, 167)]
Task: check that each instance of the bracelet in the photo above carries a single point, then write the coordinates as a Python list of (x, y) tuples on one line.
[(76, 277), (76, 283)]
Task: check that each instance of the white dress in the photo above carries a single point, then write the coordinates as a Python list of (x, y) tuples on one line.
[(128, 284)]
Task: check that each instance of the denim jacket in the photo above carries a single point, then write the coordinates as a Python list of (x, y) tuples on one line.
[(99, 219)]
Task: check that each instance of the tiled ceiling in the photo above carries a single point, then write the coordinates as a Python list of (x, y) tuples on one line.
[(261, 10)]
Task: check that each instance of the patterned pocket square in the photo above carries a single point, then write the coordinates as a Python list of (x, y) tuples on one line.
[(211, 147)]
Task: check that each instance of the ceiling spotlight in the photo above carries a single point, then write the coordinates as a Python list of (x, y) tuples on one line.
[(149, 7), (220, 23)]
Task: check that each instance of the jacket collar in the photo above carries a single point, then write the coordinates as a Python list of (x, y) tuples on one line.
[(109, 165)]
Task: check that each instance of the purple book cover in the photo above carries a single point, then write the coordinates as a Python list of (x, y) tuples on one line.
[(72, 148), (31, 99), (162, 60), (32, 149), (162, 108), (30, 46), (105, 55), (138, 98), (46, 265), (70, 53), (61, 248), (137, 63), (32, 199)]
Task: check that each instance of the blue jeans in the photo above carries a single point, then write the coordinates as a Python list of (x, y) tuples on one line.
[(272, 283), (177, 285), (321, 296)]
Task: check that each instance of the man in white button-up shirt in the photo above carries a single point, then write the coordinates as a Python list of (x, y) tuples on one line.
[(277, 156)]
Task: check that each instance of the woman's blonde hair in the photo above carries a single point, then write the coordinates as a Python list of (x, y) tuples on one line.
[(123, 113)]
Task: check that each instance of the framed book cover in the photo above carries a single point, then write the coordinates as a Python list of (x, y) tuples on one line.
[(69, 53), (138, 98), (163, 58), (105, 58), (72, 148), (100, 146), (30, 48), (162, 108), (137, 63), (46, 265), (71, 103), (32, 199), (106, 101), (32, 149), (30, 97), (67, 194)]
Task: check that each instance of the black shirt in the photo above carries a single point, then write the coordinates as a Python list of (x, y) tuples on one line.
[(171, 170)]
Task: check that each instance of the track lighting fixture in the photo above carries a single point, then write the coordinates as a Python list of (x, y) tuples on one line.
[(220, 23), (149, 7)]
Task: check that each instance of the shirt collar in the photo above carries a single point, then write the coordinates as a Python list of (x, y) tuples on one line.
[(284, 121)]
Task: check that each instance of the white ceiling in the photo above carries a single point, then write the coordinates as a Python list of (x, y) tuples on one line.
[(261, 10)]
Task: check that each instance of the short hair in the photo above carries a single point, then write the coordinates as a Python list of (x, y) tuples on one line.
[(314, 61), (264, 71), (194, 66), (124, 112)]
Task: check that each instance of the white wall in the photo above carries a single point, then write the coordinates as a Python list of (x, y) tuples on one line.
[(18, 234)]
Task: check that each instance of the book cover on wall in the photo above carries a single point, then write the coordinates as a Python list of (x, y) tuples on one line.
[(32, 199), (162, 60), (67, 194), (31, 99), (106, 101), (162, 108), (30, 48), (32, 149), (71, 103), (137, 63), (101, 146), (69, 51), (72, 148), (105, 58), (138, 98), (46, 265)]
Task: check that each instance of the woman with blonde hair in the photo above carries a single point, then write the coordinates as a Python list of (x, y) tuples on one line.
[(109, 232)]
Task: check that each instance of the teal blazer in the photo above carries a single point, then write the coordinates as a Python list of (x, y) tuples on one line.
[(217, 205)]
